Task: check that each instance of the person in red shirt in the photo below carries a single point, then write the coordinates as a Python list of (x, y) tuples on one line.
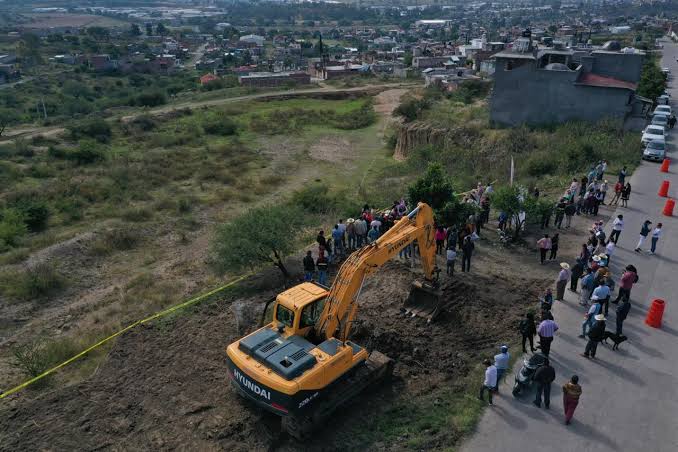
[(628, 279), (618, 187)]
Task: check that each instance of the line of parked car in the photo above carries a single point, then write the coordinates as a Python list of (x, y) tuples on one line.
[(655, 134)]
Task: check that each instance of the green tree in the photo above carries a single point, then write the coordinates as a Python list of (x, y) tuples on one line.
[(435, 189), (149, 29), (161, 29), (407, 59), (510, 201), (265, 235), (652, 81), (134, 30)]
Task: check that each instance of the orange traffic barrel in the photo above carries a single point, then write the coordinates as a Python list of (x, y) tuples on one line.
[(654, 315), (664, 189), (665, 166), (668, 207)]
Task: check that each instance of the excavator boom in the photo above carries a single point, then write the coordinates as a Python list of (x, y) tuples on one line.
[(341, 305)]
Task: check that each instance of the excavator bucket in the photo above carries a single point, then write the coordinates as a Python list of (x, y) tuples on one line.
[(423, 301)]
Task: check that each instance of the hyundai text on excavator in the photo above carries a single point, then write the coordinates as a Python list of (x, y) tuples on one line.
[(302, 366)]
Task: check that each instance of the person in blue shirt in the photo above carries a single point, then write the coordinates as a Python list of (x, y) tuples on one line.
[(373, 235), (587, 286), (603, 293), (338, 239), (501, 362)]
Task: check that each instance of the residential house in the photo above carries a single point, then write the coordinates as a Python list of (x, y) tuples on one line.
[(556, 85)]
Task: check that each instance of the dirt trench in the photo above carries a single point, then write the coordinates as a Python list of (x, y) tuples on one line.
[(164, 386)]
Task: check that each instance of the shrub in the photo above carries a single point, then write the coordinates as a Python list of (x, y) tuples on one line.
[(86, 153), (40, 281), (96, 128), (150, 99), (316, 198), (219, 125), (120, 239), (540, 164), (137, 214), (145, 123), (35, 213), (35, 358), (12, 228), (364, 117)]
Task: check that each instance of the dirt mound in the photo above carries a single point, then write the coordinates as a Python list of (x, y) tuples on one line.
[(165, 386)]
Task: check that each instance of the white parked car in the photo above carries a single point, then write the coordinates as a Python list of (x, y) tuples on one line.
[(663, 99), (660, 120), (653, 133), (662, 110), (655, 150)]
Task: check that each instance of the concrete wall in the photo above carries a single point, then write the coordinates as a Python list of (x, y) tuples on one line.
[(535, 96), (618, 65)]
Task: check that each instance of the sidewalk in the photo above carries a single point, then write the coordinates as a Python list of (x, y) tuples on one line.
[(629, 400)]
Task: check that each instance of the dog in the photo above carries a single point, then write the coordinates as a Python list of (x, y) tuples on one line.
[(617, 339)]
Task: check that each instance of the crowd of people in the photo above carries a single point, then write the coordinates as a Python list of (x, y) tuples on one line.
[(371, 224), (590, 274)]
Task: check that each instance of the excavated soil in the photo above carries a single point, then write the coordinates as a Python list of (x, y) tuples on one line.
[(164, 386)]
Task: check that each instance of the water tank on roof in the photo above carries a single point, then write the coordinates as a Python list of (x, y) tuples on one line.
[(613, 46), (556, 67)]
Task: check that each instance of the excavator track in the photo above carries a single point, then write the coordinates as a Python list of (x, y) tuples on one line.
[(376, 368)]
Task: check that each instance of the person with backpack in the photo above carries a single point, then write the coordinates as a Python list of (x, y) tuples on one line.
[(528, 329), (596, 335)]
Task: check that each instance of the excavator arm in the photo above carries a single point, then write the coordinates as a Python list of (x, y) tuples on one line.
[(341, 303)]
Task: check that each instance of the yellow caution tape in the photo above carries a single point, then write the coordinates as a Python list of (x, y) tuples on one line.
[(118, 333)]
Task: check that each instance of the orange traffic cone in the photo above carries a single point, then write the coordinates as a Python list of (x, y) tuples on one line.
[(664, 189), (654, 315), (668, 207), (665, 166)]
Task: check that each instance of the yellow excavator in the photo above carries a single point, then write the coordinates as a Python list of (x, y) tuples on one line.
[(301, 365)]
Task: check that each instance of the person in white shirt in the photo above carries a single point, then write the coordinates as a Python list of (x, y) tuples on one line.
[(617, 228), (490, 381), (656, 233)]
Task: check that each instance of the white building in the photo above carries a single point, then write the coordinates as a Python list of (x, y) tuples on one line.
[(253, 39)]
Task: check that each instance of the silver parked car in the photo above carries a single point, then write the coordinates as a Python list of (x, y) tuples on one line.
[(655, 151)]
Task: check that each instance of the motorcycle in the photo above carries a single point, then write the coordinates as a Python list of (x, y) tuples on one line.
[(526, 373)]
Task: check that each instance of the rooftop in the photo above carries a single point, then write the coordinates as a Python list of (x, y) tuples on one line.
[(601, 81), (509, 54)]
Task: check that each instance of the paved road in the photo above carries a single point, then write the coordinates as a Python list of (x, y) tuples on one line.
[(630, 399)]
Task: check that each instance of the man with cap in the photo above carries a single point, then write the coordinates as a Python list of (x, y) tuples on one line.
[(501, 362), (587, 286), (589, 319), (350, 231), (561, 282), (596, 335)]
